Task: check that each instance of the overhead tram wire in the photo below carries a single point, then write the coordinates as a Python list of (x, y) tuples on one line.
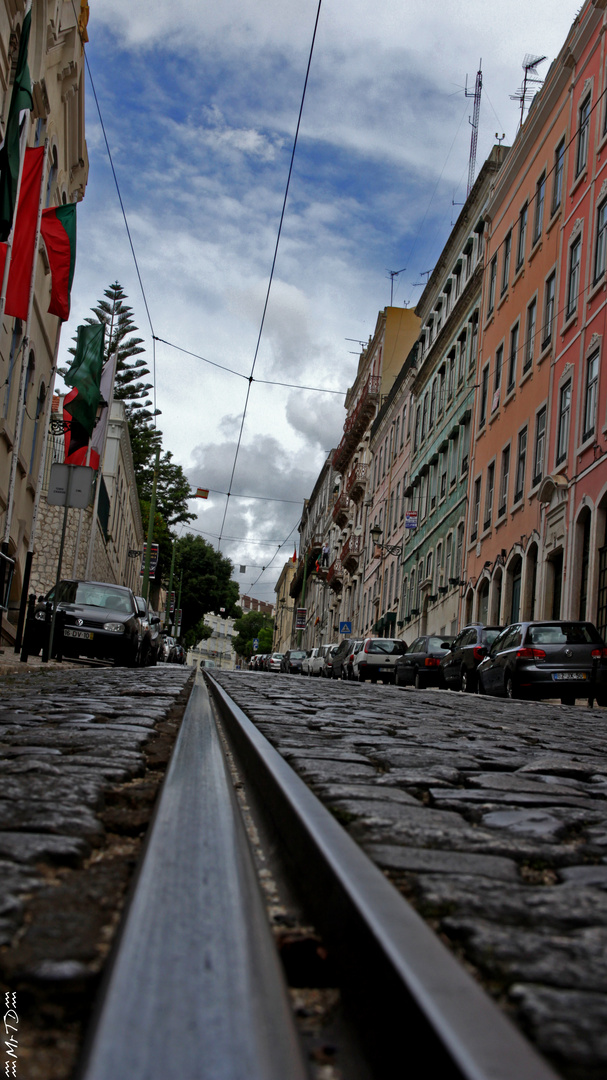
[(265, 306), (241, 375)]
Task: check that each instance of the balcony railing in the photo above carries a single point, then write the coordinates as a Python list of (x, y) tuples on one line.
[(351, 552), (335, 575), (357, 421), (355, 483), (341, 509)]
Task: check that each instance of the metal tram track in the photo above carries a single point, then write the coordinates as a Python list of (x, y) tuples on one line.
[(195, 988)]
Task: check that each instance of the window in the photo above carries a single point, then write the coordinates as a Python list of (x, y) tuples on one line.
[(601, 241), (473, 341), (484, 394), (461, 357), (522, 233), (548, 310), (433, 487), (454, 458), (506, 262), (489, 494), (497, 377), (441, 389), (557, 184), (582, 136), (573, 283), (451, 361), (396, 427), (530, 337), (492, 279), (562, 440), (521, 462), (538, 216), (448, 548), (505, 476), (590, 400), (476, 509), (512, 359), (459, 549), (418, 420), (424, 417), (432, 406), (540, 443)]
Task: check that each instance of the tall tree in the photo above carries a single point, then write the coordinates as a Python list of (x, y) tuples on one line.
[(207, 584)]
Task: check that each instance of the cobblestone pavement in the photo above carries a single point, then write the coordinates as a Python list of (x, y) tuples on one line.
[(82, 754), (490, 816)]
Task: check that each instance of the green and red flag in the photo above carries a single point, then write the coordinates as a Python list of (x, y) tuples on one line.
[(85, 376), (58, 228), (24, 237), (21, 99)]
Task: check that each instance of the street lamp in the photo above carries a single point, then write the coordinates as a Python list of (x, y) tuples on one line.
[(386, 549)]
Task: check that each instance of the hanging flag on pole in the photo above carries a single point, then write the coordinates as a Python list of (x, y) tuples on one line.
[(21, 99), (24, 238), (85, 375), (202, 493), (58, 230), (294, 559)]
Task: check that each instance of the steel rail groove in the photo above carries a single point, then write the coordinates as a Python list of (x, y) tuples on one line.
[(195, 989), (410, 997)]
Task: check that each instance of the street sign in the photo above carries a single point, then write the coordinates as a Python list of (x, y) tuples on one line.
[(153, 560), (411, 519), (70, 485), (345, 627), (300, 618), (255, 643)]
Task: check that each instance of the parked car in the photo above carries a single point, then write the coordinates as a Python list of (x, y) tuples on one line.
[(472, 644), (546, 660), (292, 661), (101, 621), (275, 661), (204, 663), (327, 663), (420, 666), (165, 648), (313, 662), (150, 640), (377, 659), (339, 660)]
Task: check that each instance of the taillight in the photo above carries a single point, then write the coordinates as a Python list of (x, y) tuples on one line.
[(431, 661), (531, 654), (367, 643), (598, 654), (479, 652)]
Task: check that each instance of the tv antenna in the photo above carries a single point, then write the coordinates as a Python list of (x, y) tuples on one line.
[(421, 274), (393, 274), (478, 86), (531, 81)]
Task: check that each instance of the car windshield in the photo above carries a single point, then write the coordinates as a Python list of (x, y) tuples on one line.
[(298, 655), (386, 645), (86, 592), (564, 634), (277, 656)]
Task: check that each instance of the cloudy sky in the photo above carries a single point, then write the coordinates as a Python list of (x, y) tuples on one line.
[(200, 105)]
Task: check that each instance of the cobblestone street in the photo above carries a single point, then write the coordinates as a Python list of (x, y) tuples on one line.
[(489, 815), (82, 754)]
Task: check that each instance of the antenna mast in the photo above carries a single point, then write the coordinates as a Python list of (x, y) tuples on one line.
[(478, 86), (531, 80)]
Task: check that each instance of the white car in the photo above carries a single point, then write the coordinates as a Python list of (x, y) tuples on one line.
[(313, 662), (377, 659)]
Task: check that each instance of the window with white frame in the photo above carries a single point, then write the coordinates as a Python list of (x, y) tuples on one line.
[(504, 481), (454, 457), (506, 261), (581, 155), (562, 431), (497, 377), (601, 241), (482, 417), (549, 294), (491, 289), (539, 447), (590, 396), (538, 210), (512, 357), (522, 235), (473, 341), (476, 509), (557, 175), (573, 280), (530, 335), (459, 550), (489, 487), (521, 463)]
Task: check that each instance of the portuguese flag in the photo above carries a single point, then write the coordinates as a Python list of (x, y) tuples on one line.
[(58, 230), (21, 100)]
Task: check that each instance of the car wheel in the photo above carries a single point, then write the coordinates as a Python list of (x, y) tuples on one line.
[(509, 687), (419, 682), (568, 699), (467, 682)]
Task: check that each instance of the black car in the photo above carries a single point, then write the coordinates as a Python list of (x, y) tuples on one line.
[(472, 644), (420, 666), (100, 620), (292, 661), (546, 660), (150, 638), (341, 660)]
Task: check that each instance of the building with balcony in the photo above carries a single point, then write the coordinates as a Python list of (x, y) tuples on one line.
[(318, 530)]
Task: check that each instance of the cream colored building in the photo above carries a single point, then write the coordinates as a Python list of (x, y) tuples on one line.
[(284, 623), (218, 647), (56, 64)]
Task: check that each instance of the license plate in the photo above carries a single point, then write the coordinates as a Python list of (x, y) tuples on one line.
[(383, 670), (568, 676), (83, 634)]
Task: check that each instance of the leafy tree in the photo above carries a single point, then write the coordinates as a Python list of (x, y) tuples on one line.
[(250, 626), (200, 632), (172, 489), (206, 584)]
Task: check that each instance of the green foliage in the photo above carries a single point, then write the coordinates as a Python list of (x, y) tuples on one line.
[(250, 626), (207, 584), (197, 633)]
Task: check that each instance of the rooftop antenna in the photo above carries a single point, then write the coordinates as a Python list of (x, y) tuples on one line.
[(478, 86), (531, 80), (393, 274)]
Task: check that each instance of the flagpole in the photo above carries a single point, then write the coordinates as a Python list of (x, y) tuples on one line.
[(89, 557), (45, 437), (80, 518), (24, 346)]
